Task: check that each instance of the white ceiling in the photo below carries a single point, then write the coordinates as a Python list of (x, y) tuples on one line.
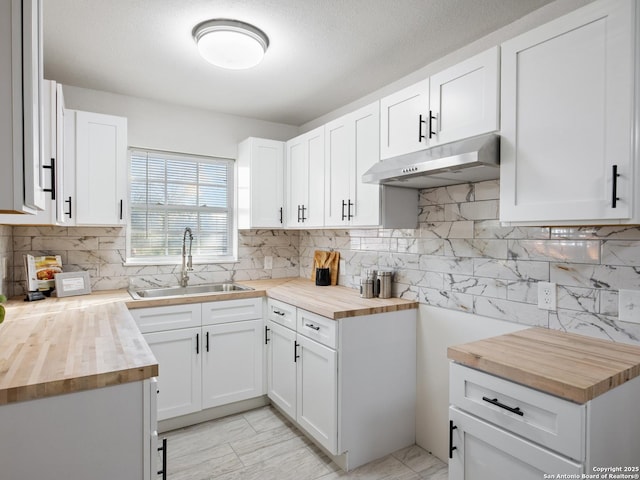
[(323, 53)]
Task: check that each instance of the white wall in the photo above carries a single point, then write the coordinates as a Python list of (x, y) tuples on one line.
[(438, 329), (165, 126)]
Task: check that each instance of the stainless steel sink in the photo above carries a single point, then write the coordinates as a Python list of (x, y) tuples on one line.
[(189, 290)]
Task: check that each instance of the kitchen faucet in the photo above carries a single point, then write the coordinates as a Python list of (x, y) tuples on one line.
[(187, 265)]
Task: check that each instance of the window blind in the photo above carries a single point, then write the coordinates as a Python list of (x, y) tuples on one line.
[(169, 192)]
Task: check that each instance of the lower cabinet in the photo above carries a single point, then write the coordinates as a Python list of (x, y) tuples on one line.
[(100, 434), (216, 360), (503, 430), (344, 382)]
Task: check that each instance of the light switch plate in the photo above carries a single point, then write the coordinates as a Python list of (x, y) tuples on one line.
[(629, 306), (268, 262)]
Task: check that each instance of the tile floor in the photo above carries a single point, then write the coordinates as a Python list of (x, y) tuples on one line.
[(263, 445)]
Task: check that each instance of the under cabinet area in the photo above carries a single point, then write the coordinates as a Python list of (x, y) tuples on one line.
[(319, 375), (209, 354), (569, 106)]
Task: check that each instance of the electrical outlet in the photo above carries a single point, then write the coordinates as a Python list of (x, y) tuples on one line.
[(629, 306), (546, 295), (268, 262)]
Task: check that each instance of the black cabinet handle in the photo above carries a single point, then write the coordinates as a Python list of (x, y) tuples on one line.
[(266, 334), (311, 325), (452, 427), (420, 123), (303, 209), (349, 204), (70, 209), (121, 208), (298, 213), (295, 351), (281, 215), (614, 188), (52, 171), (432, 117), (207, 340), (163, 449), (494, 401), (278, 312), (344, 204), (197, 343)]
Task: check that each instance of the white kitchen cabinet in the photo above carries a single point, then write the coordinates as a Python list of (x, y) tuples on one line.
[(503, 430), (352, 146), (53, 151), (101, 434), (305, 180), (232, 362), (97, 180), (568, 112), (21, 110), (209, 354), (319, 374), (260, 168), (281, 367), (180, 371), (405, 121), (464, 99)]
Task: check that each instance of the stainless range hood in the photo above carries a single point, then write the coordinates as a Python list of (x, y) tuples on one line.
[(471, 160)]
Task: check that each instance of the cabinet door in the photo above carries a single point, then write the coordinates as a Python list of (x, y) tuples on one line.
[(404, 121), (101, 163), (339, 150), (567, 113), (485, 452), (260, 183), (281, 367), (231, 362), (364, 196), (464, 98), (317, 392), (305, 180), (180, 371)]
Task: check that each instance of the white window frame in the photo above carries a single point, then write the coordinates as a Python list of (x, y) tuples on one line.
[(232, 212)]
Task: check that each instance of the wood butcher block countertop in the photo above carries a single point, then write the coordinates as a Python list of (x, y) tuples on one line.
[(570, 366), (63, 345)]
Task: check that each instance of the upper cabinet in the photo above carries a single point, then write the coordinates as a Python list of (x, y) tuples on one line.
[(22, 187), (96, 168), (52, 150), (351, 148), (260, 183), (464, 98), (459, 102), (305, 180), (568, 113), (404, 121)]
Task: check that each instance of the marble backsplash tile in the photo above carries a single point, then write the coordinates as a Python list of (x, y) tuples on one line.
[(461, 257), (102, 252)]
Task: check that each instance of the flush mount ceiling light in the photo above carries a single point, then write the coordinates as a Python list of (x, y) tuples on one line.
[(230, 43)]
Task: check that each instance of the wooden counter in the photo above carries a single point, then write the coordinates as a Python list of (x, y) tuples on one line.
[(61, 345), (567, 365)]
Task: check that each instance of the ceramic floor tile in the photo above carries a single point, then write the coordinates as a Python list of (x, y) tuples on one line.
[(263, 445)]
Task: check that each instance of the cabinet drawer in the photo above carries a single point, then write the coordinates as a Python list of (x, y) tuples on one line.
[(539, 417), (156, 319), (317, 327), (225, 311), (281, 313)]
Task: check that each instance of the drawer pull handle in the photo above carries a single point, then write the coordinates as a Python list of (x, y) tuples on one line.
[(163, 449), (452, 427), (295, 351), (494, 401), (311, 325), (278, 312)]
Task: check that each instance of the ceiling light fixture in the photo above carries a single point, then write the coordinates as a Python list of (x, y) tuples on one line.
[(230, 43)]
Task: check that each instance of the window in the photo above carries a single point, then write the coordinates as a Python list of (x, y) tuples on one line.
[(170, 191)]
